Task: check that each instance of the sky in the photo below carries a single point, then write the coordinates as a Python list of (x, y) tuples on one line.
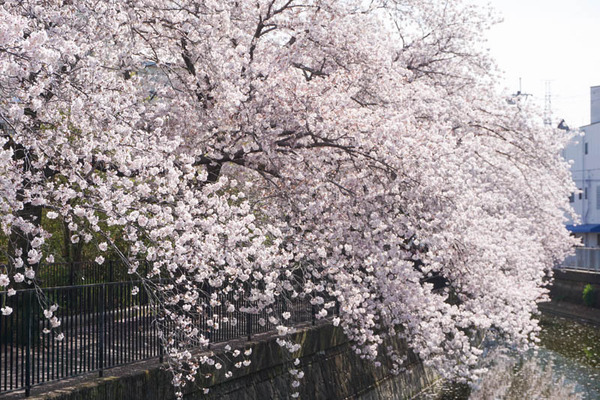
[(556, 41)]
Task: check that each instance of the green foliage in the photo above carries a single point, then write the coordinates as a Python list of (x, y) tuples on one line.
[(59, 245), (589, 295)]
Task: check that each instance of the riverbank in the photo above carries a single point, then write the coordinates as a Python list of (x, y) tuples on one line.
[(568, 286), (572, 311), (565, 365)]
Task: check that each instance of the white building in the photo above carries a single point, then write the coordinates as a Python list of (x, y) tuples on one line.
[(584, 152)]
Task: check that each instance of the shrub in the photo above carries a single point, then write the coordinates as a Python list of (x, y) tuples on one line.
[(589, 295)]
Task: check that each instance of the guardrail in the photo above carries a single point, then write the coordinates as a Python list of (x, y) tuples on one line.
[(104, 326), (585, 258)]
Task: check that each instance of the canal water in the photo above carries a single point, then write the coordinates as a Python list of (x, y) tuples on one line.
[(565, 366)]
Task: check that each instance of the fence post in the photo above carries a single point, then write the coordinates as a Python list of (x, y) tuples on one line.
[(161, 351), (101, 332), (249, 326), (29, 323), (210, 329)]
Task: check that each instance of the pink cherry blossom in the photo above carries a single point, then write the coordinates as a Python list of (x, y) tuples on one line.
[(351, 154)]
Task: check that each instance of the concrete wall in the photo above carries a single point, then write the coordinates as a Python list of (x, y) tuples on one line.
[(568, 286), (332, 371)]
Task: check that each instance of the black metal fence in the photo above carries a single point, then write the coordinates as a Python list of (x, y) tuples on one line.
[(104, 326)]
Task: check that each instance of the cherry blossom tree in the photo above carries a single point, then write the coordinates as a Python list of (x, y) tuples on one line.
[(350, 152)]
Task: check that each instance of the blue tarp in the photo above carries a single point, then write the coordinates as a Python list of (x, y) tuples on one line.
[(585, 228)]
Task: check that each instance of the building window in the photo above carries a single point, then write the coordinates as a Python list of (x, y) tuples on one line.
[(598, 240), (572, 198), (580, 193), (586, 148), (585, 193)]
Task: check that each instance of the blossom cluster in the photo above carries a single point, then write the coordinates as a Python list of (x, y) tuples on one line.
[(350, 153)]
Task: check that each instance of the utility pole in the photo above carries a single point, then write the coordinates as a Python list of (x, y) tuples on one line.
[(517, 97), (548, 105)]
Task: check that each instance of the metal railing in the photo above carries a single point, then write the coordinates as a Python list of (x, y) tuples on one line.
[(585, 258), (104, 326)]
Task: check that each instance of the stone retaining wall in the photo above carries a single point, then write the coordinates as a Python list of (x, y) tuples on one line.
[(332, 371), (568, 286)]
